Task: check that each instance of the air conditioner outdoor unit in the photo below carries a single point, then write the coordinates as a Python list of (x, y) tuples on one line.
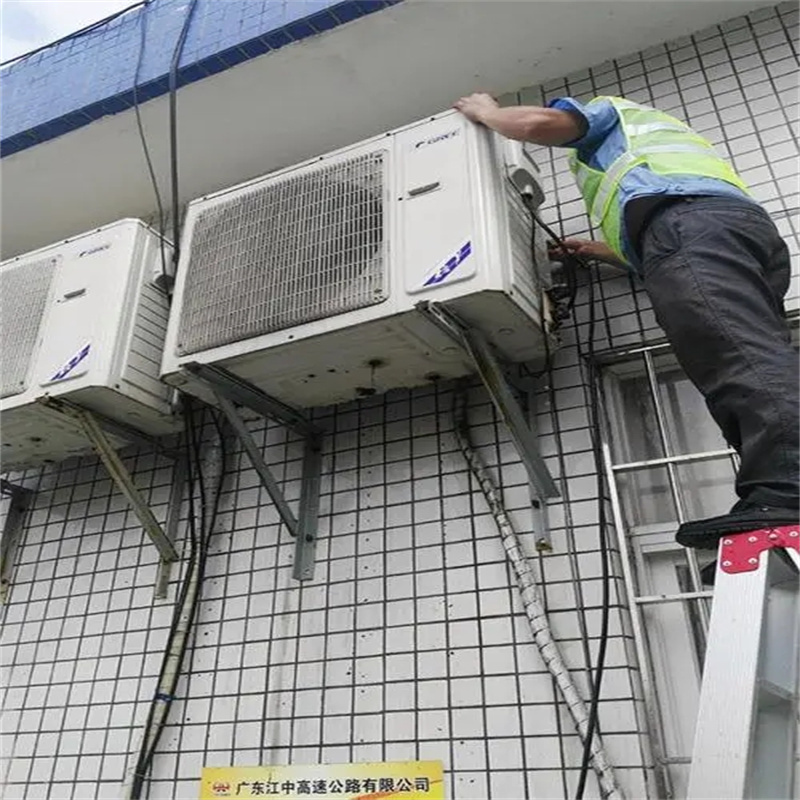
[(82, 321), (304, 282)]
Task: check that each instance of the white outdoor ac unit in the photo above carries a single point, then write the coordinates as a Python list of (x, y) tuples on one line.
[(304, 282), (82, 321)]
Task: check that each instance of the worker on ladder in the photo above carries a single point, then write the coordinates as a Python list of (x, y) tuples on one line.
[(714, 266)]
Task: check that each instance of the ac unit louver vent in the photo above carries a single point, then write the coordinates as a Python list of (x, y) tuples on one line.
[(294, 250), (23, 295)]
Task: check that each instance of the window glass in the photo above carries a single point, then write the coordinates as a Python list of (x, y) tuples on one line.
[(705, 488)]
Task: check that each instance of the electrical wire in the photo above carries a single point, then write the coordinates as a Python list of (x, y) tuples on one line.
[(605, 568), (173, 128), (145, 148), (594, 423), (569, 271), (532, 602), (74, 34)]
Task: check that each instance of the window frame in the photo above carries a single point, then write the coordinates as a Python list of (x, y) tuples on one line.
[(649, 548)]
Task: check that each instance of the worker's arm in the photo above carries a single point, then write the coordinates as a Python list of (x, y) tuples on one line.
[(545, 126)]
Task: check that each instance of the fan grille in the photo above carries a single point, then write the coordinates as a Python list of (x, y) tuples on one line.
[(295, 250), (23, 295)]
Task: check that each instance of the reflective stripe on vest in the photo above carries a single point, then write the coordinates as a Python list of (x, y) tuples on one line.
[(652, 127), (626, 161), (621, 102)]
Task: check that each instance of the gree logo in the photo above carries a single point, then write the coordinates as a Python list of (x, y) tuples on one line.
[(449, 265), (72, 363), (440, 138)]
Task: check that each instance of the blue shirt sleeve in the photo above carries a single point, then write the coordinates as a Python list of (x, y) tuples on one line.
[(601, 119)]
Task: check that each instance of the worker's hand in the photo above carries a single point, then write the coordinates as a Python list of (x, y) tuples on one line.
[(588, 248), (475, 106)]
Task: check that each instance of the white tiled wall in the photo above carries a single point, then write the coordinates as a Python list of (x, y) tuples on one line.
[(410, 642)]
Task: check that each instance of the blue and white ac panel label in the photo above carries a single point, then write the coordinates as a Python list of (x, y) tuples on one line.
[(72, 368), (445, 270)]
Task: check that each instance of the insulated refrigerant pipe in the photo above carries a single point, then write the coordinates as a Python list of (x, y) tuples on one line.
[(532, 602)]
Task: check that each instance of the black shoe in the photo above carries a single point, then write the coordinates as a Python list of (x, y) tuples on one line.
[(704, 534)]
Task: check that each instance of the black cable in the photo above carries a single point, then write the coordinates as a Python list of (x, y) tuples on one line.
[(594, 407), (145, 755), (173, 128), (569, 270), (143, 139), (594, 421), (74, 34), (219, 423), (197, 561), (194, 444), (548, 355)]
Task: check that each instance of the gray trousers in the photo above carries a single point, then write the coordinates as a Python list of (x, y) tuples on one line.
[(716, 271)]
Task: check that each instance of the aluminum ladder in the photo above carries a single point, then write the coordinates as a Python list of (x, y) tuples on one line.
[(746, 733)]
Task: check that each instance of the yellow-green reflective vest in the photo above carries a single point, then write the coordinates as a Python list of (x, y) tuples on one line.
[(663, 143)]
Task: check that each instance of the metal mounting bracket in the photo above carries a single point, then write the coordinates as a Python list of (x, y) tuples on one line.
[(171, 527), (92, 427), (230, 391), (486, 365), (12, 527)]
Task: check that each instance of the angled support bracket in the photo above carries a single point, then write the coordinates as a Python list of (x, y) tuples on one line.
[(171, 527), (20, 499), (488, 369), (93, 430), (229, 391)]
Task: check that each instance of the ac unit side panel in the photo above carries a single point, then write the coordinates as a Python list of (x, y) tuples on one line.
[(530, 262), (141, 344), (24, 291)]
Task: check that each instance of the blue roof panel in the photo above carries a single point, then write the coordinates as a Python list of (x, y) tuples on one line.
[(89, 76)]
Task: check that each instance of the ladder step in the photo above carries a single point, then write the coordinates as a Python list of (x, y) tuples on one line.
[(672, 598)]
